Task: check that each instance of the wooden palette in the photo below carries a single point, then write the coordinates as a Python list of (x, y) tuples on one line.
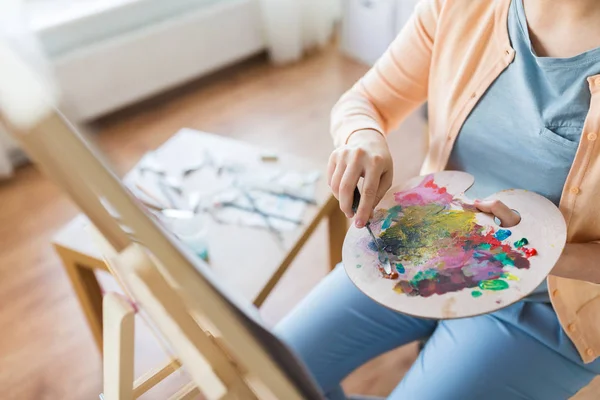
[(450, 260)]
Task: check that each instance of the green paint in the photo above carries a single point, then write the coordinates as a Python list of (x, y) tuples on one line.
[(476, 293), (429, 274), (358, 265), (521, 242), (504, 259), (400, 268), (485, 246), (497, 284)]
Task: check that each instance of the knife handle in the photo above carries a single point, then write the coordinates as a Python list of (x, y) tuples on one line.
[(355, 200)]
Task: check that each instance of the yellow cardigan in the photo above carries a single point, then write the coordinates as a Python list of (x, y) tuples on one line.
[(448, 54)]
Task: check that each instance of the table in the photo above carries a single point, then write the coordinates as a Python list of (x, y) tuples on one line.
[(249, 260)]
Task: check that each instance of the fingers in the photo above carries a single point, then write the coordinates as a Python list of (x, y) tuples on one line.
[(368, 197), (384, 185), (369, 158), (331, 165), (375, 185), (500, 210), (347, 186), (336, 178)]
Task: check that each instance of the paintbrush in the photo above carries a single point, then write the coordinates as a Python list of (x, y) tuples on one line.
[(382, 255)]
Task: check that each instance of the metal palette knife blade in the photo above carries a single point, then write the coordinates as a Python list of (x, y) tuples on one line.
[(382, 255)]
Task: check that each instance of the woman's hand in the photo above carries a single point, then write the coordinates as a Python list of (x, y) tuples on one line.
[(499, 210), (365, 155), (579, 261)]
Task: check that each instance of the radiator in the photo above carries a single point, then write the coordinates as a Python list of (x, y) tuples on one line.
[(131, 66)]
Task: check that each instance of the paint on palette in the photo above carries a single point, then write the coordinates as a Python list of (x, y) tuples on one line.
[(529, 252), (502, 234), (521, 243), (441, 248), (476, 293), (510, 276), (493, 284)]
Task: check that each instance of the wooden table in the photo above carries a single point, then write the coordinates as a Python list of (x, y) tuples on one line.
[(248, 259)]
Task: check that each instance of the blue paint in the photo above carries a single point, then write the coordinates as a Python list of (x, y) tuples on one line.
[(502, 234)]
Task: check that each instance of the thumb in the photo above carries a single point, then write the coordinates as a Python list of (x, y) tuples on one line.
[(500, 210)]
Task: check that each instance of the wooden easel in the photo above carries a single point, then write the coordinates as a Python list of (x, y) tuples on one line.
[(226, 351)]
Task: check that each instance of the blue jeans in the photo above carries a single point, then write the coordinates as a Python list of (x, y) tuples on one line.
[(520, 352)]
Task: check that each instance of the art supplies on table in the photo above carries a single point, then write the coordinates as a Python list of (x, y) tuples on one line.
[(451, 260), (191, 230), (225, 189)]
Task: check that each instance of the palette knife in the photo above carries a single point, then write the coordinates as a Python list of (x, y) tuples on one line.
[(382, 255)]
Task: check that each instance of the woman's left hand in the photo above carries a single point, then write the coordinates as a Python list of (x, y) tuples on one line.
[(578, 260), (499, 210)]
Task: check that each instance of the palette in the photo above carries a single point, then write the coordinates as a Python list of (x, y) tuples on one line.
[(450, 260)]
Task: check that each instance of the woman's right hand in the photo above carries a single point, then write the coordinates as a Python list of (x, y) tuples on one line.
[(366, 154)]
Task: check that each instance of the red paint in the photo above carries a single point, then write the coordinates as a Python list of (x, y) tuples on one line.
[(488, 238), (393, 275), (412, 197), (529, 252), (432, 185)]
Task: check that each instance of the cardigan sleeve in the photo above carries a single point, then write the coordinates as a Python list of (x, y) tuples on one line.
[(396, 85)]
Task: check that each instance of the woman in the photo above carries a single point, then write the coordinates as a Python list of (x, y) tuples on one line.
[(516, 81)]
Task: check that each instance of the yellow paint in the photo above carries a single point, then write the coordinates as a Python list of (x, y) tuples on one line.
[(511, 277)]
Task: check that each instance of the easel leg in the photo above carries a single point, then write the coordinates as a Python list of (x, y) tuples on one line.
[(188, 392), (337, 224), (119, 330), (88, 292)]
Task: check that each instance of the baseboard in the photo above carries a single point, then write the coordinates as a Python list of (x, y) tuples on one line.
[(115, 73)]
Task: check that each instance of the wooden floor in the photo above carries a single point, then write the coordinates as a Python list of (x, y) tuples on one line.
[(46, 351)]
